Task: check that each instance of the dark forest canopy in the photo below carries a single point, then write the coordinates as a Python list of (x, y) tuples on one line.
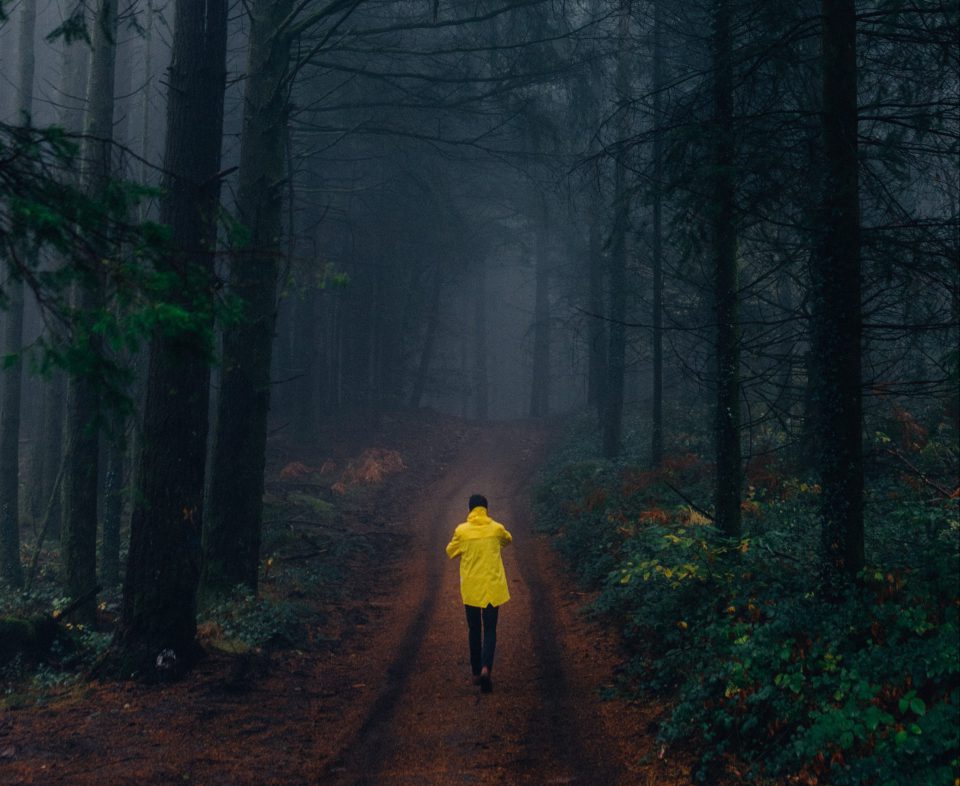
[(221, 221)]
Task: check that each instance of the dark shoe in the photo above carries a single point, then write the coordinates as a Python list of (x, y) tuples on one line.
[(486, 684), (475, 679)]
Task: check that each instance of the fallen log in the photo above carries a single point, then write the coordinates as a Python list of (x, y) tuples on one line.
[(34, 636), (31, 637)]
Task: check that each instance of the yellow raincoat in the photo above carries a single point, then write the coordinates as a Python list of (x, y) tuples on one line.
[(478, 542)]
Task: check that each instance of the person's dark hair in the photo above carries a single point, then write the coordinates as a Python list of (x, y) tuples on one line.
[(477, 501)]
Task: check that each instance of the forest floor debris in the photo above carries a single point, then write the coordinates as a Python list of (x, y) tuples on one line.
[(350, 666)]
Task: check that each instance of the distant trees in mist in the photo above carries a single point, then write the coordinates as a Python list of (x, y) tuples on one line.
[(495, 209)]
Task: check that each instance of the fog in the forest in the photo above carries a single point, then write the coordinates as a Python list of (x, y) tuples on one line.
[(434, 169), (721, 228), (414, 204)]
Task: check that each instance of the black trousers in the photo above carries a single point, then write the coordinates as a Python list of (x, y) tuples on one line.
[(482, 624)]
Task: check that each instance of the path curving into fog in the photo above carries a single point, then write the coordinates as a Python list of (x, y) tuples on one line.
[(387, 699), (428, 724)]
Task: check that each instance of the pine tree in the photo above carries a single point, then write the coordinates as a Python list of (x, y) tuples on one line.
[(158, 615)]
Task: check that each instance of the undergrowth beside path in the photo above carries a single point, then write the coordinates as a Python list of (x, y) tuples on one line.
[(284, 668), (770, 682)]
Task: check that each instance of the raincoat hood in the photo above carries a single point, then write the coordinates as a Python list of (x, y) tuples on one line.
[(478, 515)]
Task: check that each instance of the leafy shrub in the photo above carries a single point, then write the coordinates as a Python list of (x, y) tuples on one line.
[(258, 621), (767, 678), (29, 675)]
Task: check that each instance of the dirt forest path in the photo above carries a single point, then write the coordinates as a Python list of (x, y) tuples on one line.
[(544, 723), (388, 699)]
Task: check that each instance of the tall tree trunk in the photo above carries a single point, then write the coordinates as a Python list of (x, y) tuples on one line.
[(596, 328), (146, 110), (282, 356), (724, 235), (540, 389), (10, 567), (48, 456), (112, 512), (811, 427), (379, 379), (334, 340), (160, 586), (617, 338), (837, 321), (656, 431), (49, 453), (12, 571), (616, 354), (480, 381), (231, 534), (305, 343), (27, 62), (782, 399), (81, 428), (4, 68), (426, 354), (355, 323)]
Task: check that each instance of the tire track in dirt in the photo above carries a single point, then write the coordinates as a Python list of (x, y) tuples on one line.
[(370, 738), (389, 701), (429, 725)]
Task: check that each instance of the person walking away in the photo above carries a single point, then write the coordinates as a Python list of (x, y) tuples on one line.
[(483, 583)]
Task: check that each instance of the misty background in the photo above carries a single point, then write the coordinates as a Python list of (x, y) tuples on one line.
[(709, 214)]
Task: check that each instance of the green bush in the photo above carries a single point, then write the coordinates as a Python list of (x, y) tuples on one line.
[(259, 621), (766, 678)]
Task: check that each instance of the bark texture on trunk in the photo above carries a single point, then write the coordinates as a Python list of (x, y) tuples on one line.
[(480, 381), (112, 513), (10, 567), (308, 363), (596, 329), (837, 321), (656, 431), (429, 340), (540, 388), (78, 537), (160, 586), (612, 422), (726, 295), (48, 457), (232, 526), (49, 453)]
